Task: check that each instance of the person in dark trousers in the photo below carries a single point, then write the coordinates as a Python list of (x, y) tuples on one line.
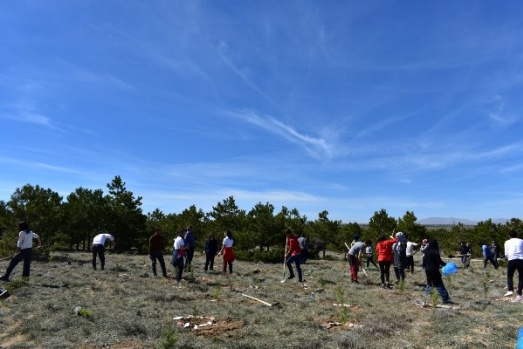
[(494, 247), (410, 255), (431, 263), (304, 249), (99, 248), (25, 251), (399, 251), (156, 247), (385, 258), (191, 244), (488, 256), (293, 255), (464, 252), (514, 255), (369, 253), (211, 249)]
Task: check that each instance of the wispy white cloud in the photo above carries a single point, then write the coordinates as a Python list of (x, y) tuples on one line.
[(28, 113), (497, 114), (320, 148)]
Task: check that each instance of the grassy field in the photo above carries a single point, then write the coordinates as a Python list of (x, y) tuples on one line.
[(125, 307)]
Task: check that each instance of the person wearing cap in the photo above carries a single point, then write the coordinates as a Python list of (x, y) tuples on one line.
[(514, 254), (98, 248), (25, 251), (399, 251)]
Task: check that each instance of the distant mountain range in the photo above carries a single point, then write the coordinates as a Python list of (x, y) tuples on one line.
[(454, 221)]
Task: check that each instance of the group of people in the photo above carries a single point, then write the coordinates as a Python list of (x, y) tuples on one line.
[(183, 251), (395, 250), (491, 253)]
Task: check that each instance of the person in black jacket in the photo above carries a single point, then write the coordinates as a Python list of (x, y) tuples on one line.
[(431, 263), (211, 248)]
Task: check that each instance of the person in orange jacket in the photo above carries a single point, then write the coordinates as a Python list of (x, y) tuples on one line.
[(385, 258)]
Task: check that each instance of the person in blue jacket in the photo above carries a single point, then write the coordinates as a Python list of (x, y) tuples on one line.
[(488, 255)]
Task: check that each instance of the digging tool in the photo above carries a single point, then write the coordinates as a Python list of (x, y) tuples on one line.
[(258, 300), (284, 258)]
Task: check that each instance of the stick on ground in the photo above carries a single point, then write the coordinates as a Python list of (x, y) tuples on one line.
[(257, 299)]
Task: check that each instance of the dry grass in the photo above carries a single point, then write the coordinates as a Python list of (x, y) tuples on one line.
[(131, 309)]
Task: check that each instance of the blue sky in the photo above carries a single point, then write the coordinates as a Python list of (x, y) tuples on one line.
[(344, 106)]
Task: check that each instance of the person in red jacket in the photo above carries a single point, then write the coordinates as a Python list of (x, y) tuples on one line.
[(385, 258), (293, 255)]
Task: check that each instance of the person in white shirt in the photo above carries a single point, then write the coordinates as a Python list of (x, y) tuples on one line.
[(99, 248), (514, 254), (179, 253), (409, 252), (25, 251)]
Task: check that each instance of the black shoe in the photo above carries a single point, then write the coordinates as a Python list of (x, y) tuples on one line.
[(290, 277), (449, 303), (301, 280), (4, 278)]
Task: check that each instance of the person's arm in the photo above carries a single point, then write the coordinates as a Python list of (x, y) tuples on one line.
[(39, 241)]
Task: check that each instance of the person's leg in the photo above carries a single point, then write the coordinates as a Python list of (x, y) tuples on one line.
[(440, 287), (207, 261), (180, 269), (27, 254), (154, 255), (496, 264), (230, 267), (12, 264), (289, 266), (354, 267), (397, 273), (211, 264), (95, 253), (382, 272), (101, 255), (387, 273), (188, 261), (304, 255), (402, 273), (297, 260), (485, 262), (511, 268), (373, 262), (519, 267), (162, 264)]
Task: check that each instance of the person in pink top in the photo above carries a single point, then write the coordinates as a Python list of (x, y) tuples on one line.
[(293, 254), (385, 258)]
